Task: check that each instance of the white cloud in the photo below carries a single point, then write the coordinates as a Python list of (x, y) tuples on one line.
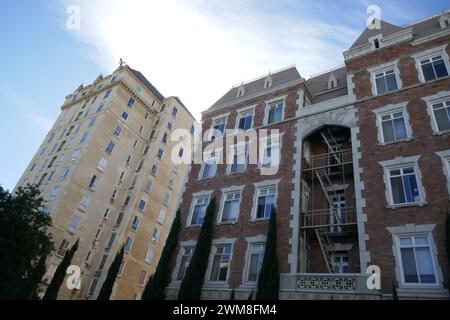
[(198, 49)]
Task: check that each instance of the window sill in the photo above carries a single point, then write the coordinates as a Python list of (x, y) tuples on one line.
[(194, 226), (249, 285), (258, 220), (226, 223), (214, 284), (440, 133), (406, 205), (383, 144)]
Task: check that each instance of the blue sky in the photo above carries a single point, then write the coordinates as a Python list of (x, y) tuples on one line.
[(193, 49)]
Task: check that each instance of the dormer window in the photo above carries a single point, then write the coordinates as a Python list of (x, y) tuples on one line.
[(240, 91), (376, 41), (268, 82), (332, 82), (444, 20)]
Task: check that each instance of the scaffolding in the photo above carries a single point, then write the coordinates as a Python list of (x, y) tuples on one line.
[(325, 169)]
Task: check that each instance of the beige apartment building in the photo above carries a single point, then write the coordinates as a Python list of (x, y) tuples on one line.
[(106, 172)]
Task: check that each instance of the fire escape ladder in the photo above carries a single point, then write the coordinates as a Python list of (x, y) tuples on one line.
[(331, 143), (326, 246), (328, 188)]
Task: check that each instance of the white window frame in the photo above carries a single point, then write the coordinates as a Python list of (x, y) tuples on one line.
[(183, 246), (149, 256), (195, 196), (401, 162), (258, 186), (102, 163), (139, 220), (383, 68), (432, 100), (441, 50), (155, 238), (218, 153), (162, 216), (240, 148), (269, 103), (225, 191), (260, 239), (218, 243), (73, 229), (263, 143), (412, 230), (131, 245), (239, 112), (390, 109), (145, 204), (445, 157), (213, 123)]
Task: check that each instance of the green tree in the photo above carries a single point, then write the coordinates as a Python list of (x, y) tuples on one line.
[(29, 288), (53, 288), (394, 292), (105, 291), (155, 288), (24, 241), (269, 277), (191, 286)]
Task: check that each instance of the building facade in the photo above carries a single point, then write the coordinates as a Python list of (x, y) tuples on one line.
[(106, 173), (363, 177)]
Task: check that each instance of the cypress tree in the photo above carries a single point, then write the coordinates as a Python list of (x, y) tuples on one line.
[(155, 288), (105, 291), (52, 290), (232, 297), (269, 277), (29, 287), (191, 286), (394, 292)]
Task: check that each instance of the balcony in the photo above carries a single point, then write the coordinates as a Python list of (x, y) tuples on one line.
[(325, 283), (328, 160), (338, 220)]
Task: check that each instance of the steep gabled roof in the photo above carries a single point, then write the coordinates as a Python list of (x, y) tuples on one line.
[(386, 29), (147, 84), (318, 85), (279, 79)]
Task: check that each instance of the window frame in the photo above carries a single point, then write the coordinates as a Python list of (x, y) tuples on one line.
[(195, 196), (257, 187), (213, 124), (431, 101), (383, 68), (269, 104), (240, 112), (251, 241), (430, 53), (390, 110), (225, 192), (215, 244)]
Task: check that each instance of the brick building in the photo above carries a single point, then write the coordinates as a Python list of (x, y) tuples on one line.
[(363, 177)]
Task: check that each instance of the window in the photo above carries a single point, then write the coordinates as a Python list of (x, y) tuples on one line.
[(131, 102), (166, 199), (102, 263), (339, 263), (84, 203), (404, 185), (125, 115), (62, 133), (169, 125), (129, 244), (51, 176), (135, 144), (180, 152), (121, 268), (209, 168), (51, 162), (186, 256), (265, 201), (239, 159), (141, 129), (138, 90), (100, 107), (110, 241), (199, 210), (245, 121), (107, 94), (92, 287), (386, 81), (97, 234), (441, 112), (88, 257), (162, 216), (54, 194), (270, 153), (275, 112), (230, 206), (64, 174), (148, 186), (110, 147), (172, 182), (149, 256), (160, 153), (50, 139), (154, 170), (107, 214), (63, 248), (117, 131), (417, 263), (84, 137), (75, 155), (147, 115), (74, 223), (433, 67), (174, 111), (219, 126), (155, 235), (142, 278), (102, 164), (93, 100), (445, 157), (114, 194), (146, 148), (128, 160), (393, 127), (142, 204), (165, 138), (136, 223), (94, 182), (221, 263), (42, 151), (255, 261), (126, 201), (140, 165)]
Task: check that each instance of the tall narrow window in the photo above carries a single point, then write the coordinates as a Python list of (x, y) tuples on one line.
[(110, 147), (245, 120), (221, 263), (275, 112), (136, 223), (404, 185), (94, 182), (256, 260), (218, 127), (74, 223), (265, 202), (231, 203), (128, 244), (199, 210), (186, 256), (441, 113)]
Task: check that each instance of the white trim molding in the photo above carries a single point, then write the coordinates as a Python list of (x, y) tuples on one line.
[(440, 97), (445, 157), (259, 239), (225, 191), (415, 230), (428, 54), (401, 162), (183, 245), (268, 103), (259, 185), (206, 193), (215, 243), (390, 109)]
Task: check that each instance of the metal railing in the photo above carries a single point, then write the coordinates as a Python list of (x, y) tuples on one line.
[(327, 159), (327, 218)]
